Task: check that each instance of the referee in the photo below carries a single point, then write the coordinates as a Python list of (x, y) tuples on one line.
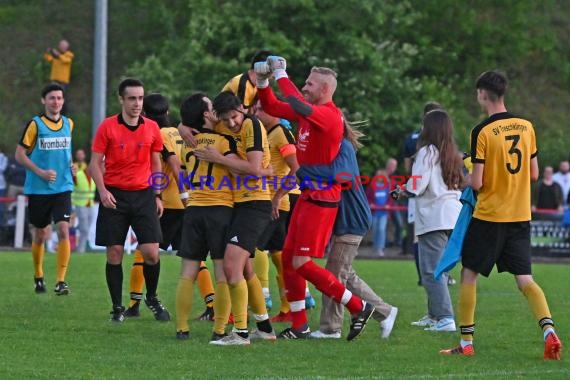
[(125, 152)]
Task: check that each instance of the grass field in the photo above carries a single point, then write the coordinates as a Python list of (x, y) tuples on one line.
[(45, 336)]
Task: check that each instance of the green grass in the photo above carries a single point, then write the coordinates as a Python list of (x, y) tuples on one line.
[(45, 336)]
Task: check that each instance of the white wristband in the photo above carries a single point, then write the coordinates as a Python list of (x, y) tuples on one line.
[(262, 83), (280, 73), (183, 195)]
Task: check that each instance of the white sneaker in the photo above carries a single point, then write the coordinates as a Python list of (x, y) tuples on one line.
[(444, 324), (424, 321), (231, 340), (388, 324), (262, 335), (321, 335)]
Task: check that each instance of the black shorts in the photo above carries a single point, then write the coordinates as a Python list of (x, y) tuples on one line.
[(248, 223), (293, 201), (45, 208), (137, 209), (504, 244), (273, 238), (205, 229), (171, 227)]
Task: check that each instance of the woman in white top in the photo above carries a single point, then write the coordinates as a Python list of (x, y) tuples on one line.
[(435, 183)]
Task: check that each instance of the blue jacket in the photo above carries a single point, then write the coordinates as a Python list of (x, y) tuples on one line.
[(354, 216), (452, 253)]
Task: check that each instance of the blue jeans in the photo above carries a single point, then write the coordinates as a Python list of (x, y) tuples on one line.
[(431, 246), (379, 222), (398, 221)]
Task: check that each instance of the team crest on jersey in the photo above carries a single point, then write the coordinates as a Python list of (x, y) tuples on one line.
[(303, 139), (54, 143)]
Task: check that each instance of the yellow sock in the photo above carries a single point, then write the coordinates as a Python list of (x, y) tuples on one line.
[(205, 285), (222, 307), (137, 278), (538, 304), (276, 258), (255, 297), (466, 307), (63, 254), (238, 295), (285, 307), (38, 251), (261, 267), (184, 294)]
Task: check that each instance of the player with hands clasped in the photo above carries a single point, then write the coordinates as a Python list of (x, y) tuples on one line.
[(320, 132)]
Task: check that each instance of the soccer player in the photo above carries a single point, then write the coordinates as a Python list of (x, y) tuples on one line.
[(504, 156), (125, 152), (45, 151), (320, 132), (284, 164), (174, 197), (207, 217), (243, 85), (252, 212)]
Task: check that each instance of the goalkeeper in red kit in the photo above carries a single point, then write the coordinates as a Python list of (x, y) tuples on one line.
[(320, 132)]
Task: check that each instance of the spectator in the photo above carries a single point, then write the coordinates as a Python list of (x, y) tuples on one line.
[(60, 60), (562, 177), (378, 196), (547, 194), (438, 170), (410, 149), (15, 176), (395, 216), (82, 198)]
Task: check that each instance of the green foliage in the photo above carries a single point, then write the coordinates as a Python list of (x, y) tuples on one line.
[(69, 337), (391, 56)]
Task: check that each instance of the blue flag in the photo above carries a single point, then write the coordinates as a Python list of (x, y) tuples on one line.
[(452, 253)]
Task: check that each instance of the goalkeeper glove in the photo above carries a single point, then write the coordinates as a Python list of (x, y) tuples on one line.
[(262, 74), (278, 66)]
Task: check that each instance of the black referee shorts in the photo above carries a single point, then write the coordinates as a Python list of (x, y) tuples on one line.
[(135, 208)]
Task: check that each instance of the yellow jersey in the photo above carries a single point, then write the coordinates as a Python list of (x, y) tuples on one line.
[(172, 145), (281, 145), (209, 184), (505, 144)]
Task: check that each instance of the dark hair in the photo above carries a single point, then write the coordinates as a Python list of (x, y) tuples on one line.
[(52, 87), (494, 82), (226, 101), (129, 82), (259, 56), (192, 110), (438, 131), (155, 107), (431, 105)]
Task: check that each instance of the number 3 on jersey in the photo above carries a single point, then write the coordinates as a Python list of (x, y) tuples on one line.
[(514, 151)]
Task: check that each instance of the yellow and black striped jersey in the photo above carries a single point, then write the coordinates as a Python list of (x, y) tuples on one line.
[(505, 144), (281, 145), (242, 87), (209, 184), (252, 137), (172, 145)]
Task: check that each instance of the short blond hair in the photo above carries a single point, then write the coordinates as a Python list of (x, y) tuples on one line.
[(324, 71)]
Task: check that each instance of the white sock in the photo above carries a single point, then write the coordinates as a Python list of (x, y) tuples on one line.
[(548, 331), (465, 343)]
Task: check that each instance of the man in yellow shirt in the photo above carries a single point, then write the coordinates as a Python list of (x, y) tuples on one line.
[(60, 60)]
